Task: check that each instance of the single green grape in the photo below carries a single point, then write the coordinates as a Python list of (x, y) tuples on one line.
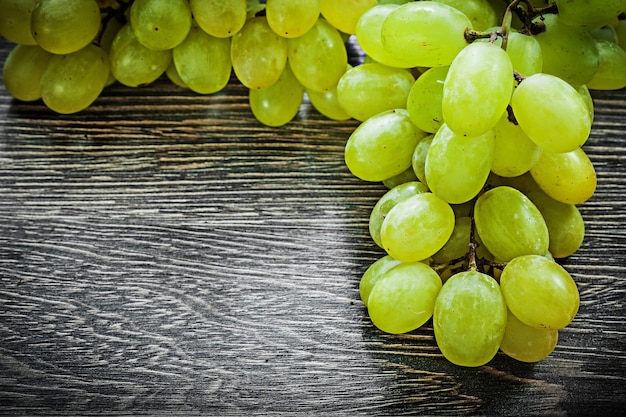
[(279, 103), (611, 74), (327, 103), (172, 74), (160, 24), (514, 152), (425, 98), (292, 18), (584, 92), (525, 53), (405, 176), (605, 33), (479, 12), (15, 21), (589, 14), (526, 343), (23, 69), (373, 273), (344, 14), (418, 160), (219, 18), (458, 245)]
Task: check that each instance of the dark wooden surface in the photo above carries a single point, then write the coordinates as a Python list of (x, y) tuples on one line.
[(164, 253)]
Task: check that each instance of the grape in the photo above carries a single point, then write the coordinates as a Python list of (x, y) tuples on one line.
[(605, 33), (477, 89), (457, 166), (344, 14), (425, 33), (539, 292), (327, 104), (23, 69), (481, 14), (417, 227), (469, 318), (219, 18), (63, 27), (418, 160), (15, 20), (373, 274), (160, 24), (403, 298), (583, 90), (514, 152), (425, 97), (71, 82), (368, 89), (525, 53), (291, 18), (277, 104), (509, 224), (405, 176), (589, 14), (551, 112), (258, 54), (621, 33), (526, 343), (458, 244), (174, 76), (611, 74)]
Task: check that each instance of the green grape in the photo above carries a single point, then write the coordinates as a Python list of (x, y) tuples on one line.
[(71, 82), (174, 76), (567, 177), (160, 24), (539, 292), (457, 166), (479, 12), (425, 33), (417, 227), (551, 112), (611, 74), (373, 274), (219, 18), (589, 14), (368, 89), (318, 58), (526, 343), (583, 90), (388, 201), (344, 14), (382, 146), (15, 20), (405, 176), (258, 54), (605, 33), (254, 7), (327, 103), (509, 224), (458, 245), (291, 18), (418, 160), (469, 318), (620, 29), (63, 27), (23, 69), (525, 53), (425, 98), (514, 152), (279, 103), (477, 89), (134, 65)]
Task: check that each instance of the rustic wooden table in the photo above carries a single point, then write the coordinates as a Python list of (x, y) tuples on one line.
[(164, 253)]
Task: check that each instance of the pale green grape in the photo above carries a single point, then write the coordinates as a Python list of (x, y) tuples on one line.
[(425, 33), (382, 146), (551, 112), (525, 53), (526, 343), (160, 24), (318, 58), (425, 98), (418, 160), (344, 14), (539, 292), (469, 318), (292, 18), (514, 152), (373, 274), (477, 89), (417, 227), (567, 177), (258, 54), (405, 176), (62, 27), (509, 224), (174, 76), (368, 89), (15, 21), (457, 166), (389, 201), (23, 69), (327, 104), (611, 74), (219, 18), (72, 82), (458, 244), (589, 14), (479, 12), (279, 103)]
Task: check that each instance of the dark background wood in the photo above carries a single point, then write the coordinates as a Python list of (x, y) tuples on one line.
[(164, 253)]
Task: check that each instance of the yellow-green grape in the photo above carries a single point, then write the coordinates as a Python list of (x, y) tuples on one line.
[(279, 103), (389, 201), (368, 89), (63, 27), (425, 97), (160, 24), (479, 12), (458, 245), (525, 343), (382, 146), (405, 176), (373, 273), (403, 298), (72, 82), (584, 92), (418, 160), (477, 89), (134, 65), (23, 69), (509, 224), (514, 152), (291, 18), (344, 14), (318, 58), (469, 318), (589, 14), (258, 54), (417, 227), (425, 33), (219, 18), (174, 76), (327, 104), (457, 166), (15, 21), (605, 33), (611, 74), (525, 53), (551, 112), (539, 292)]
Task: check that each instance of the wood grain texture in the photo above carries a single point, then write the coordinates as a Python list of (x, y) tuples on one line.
[(163, 253)]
